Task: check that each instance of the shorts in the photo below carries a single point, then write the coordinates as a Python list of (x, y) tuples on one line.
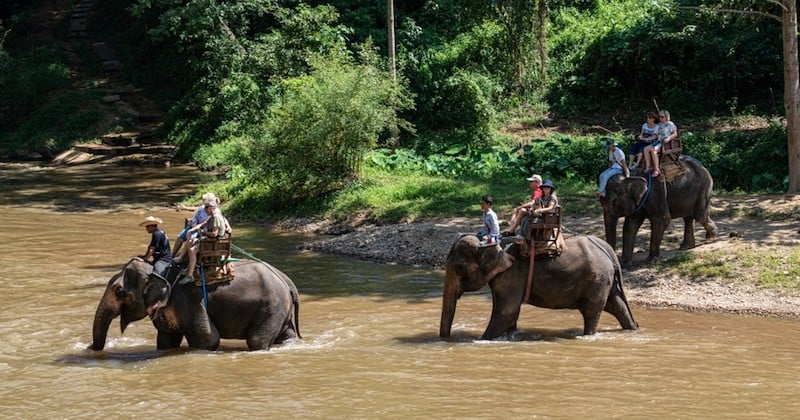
[(638, 146), (182, 235), (656, 145)]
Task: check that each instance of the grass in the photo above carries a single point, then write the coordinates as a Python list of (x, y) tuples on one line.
[(765, 266), (387, 198)]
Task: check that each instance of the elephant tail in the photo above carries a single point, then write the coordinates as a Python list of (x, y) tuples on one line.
[(296, 305), (621, 291)]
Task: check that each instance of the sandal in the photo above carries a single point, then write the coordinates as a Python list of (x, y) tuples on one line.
[(656, 173)]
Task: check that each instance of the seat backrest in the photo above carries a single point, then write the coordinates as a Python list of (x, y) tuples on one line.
[(214, 251), (674, 147), (552, 220)]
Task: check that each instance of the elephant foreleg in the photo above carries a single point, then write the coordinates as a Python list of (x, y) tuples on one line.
[(505, 312), (205, 335), (658, 225), (629, 230), (166, 340)]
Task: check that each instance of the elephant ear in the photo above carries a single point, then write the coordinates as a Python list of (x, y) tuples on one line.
[(494, 261), (636, 187), (156, 292)]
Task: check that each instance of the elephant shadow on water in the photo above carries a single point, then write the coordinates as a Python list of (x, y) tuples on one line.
[(586, 276)]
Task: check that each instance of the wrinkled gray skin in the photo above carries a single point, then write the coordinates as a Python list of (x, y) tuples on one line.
[(586, 276), (260, 305), (688, 196)]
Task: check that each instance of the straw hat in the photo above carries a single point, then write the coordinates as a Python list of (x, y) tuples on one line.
[(150, 220)]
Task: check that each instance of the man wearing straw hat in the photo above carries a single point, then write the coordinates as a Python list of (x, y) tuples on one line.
[(158, 249)]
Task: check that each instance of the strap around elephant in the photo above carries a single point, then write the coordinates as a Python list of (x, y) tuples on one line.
[(646, 193), (528, 288)]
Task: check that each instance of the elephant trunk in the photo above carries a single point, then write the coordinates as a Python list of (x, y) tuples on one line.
[(452, 292), (610, 222), (107, 310)]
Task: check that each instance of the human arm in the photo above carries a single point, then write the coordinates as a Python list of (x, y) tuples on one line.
[(673, 132)]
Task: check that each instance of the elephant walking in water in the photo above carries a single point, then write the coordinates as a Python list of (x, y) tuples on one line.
[(260, 305), (586, 276), (687, 196)]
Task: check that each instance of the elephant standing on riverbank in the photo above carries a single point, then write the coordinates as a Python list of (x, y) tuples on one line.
[(687, 196), (260, 305), (586, 276)]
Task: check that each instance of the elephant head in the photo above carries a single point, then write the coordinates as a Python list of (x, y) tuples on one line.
[(623, 196), (468, 268), (123, 298)]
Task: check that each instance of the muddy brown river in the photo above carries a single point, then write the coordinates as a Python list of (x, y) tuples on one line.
[(370, 346)]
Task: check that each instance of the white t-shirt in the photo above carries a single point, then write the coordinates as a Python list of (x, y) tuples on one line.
[(616, 157)]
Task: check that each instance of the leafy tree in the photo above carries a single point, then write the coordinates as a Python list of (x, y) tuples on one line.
[(785, 12), (317, 133)]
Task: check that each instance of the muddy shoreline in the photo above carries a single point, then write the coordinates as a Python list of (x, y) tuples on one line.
[(426, 244)]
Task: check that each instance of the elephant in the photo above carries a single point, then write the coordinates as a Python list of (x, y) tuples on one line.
[(586, 276), (261, 305), (687, 196)]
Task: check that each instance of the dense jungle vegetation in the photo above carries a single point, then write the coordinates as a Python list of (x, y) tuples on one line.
[(294, 101)]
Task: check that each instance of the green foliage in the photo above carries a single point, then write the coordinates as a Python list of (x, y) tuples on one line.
[(743, 161), (27, 81), (561, 157), (627, 52), (38, 111), (55, 126), (322, 125)]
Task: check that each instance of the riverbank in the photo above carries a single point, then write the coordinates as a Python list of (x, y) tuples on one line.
[(426, 244)]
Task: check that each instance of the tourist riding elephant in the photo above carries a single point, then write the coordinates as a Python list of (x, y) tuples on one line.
[(586, 276), (687, 196), (260, 305)]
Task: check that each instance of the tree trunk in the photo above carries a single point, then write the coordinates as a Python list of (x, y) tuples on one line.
[(791, 94), (541, 41)]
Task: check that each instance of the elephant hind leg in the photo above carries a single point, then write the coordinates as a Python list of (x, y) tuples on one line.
[(591, 317), (617, 306)]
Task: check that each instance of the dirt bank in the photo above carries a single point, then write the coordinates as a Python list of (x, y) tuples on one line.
[(426, 243)]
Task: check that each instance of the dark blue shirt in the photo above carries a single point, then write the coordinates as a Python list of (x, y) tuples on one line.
[(160, 243)]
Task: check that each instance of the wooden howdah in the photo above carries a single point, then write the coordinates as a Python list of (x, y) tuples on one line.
[(213, 256)]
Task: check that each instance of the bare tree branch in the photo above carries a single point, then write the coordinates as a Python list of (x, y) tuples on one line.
[(780, 4)]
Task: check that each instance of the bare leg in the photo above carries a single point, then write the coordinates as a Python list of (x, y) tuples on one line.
[(647, 161), (656, 166), (177, 247), (192, 260), (517, 219)]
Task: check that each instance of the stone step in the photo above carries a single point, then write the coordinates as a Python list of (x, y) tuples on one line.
[(106, 150)]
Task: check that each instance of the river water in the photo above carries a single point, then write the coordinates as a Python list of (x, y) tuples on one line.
[(370, 346)]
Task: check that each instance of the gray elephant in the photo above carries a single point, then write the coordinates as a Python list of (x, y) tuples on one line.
[(260, 305), (586, 276), (687, 196)]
